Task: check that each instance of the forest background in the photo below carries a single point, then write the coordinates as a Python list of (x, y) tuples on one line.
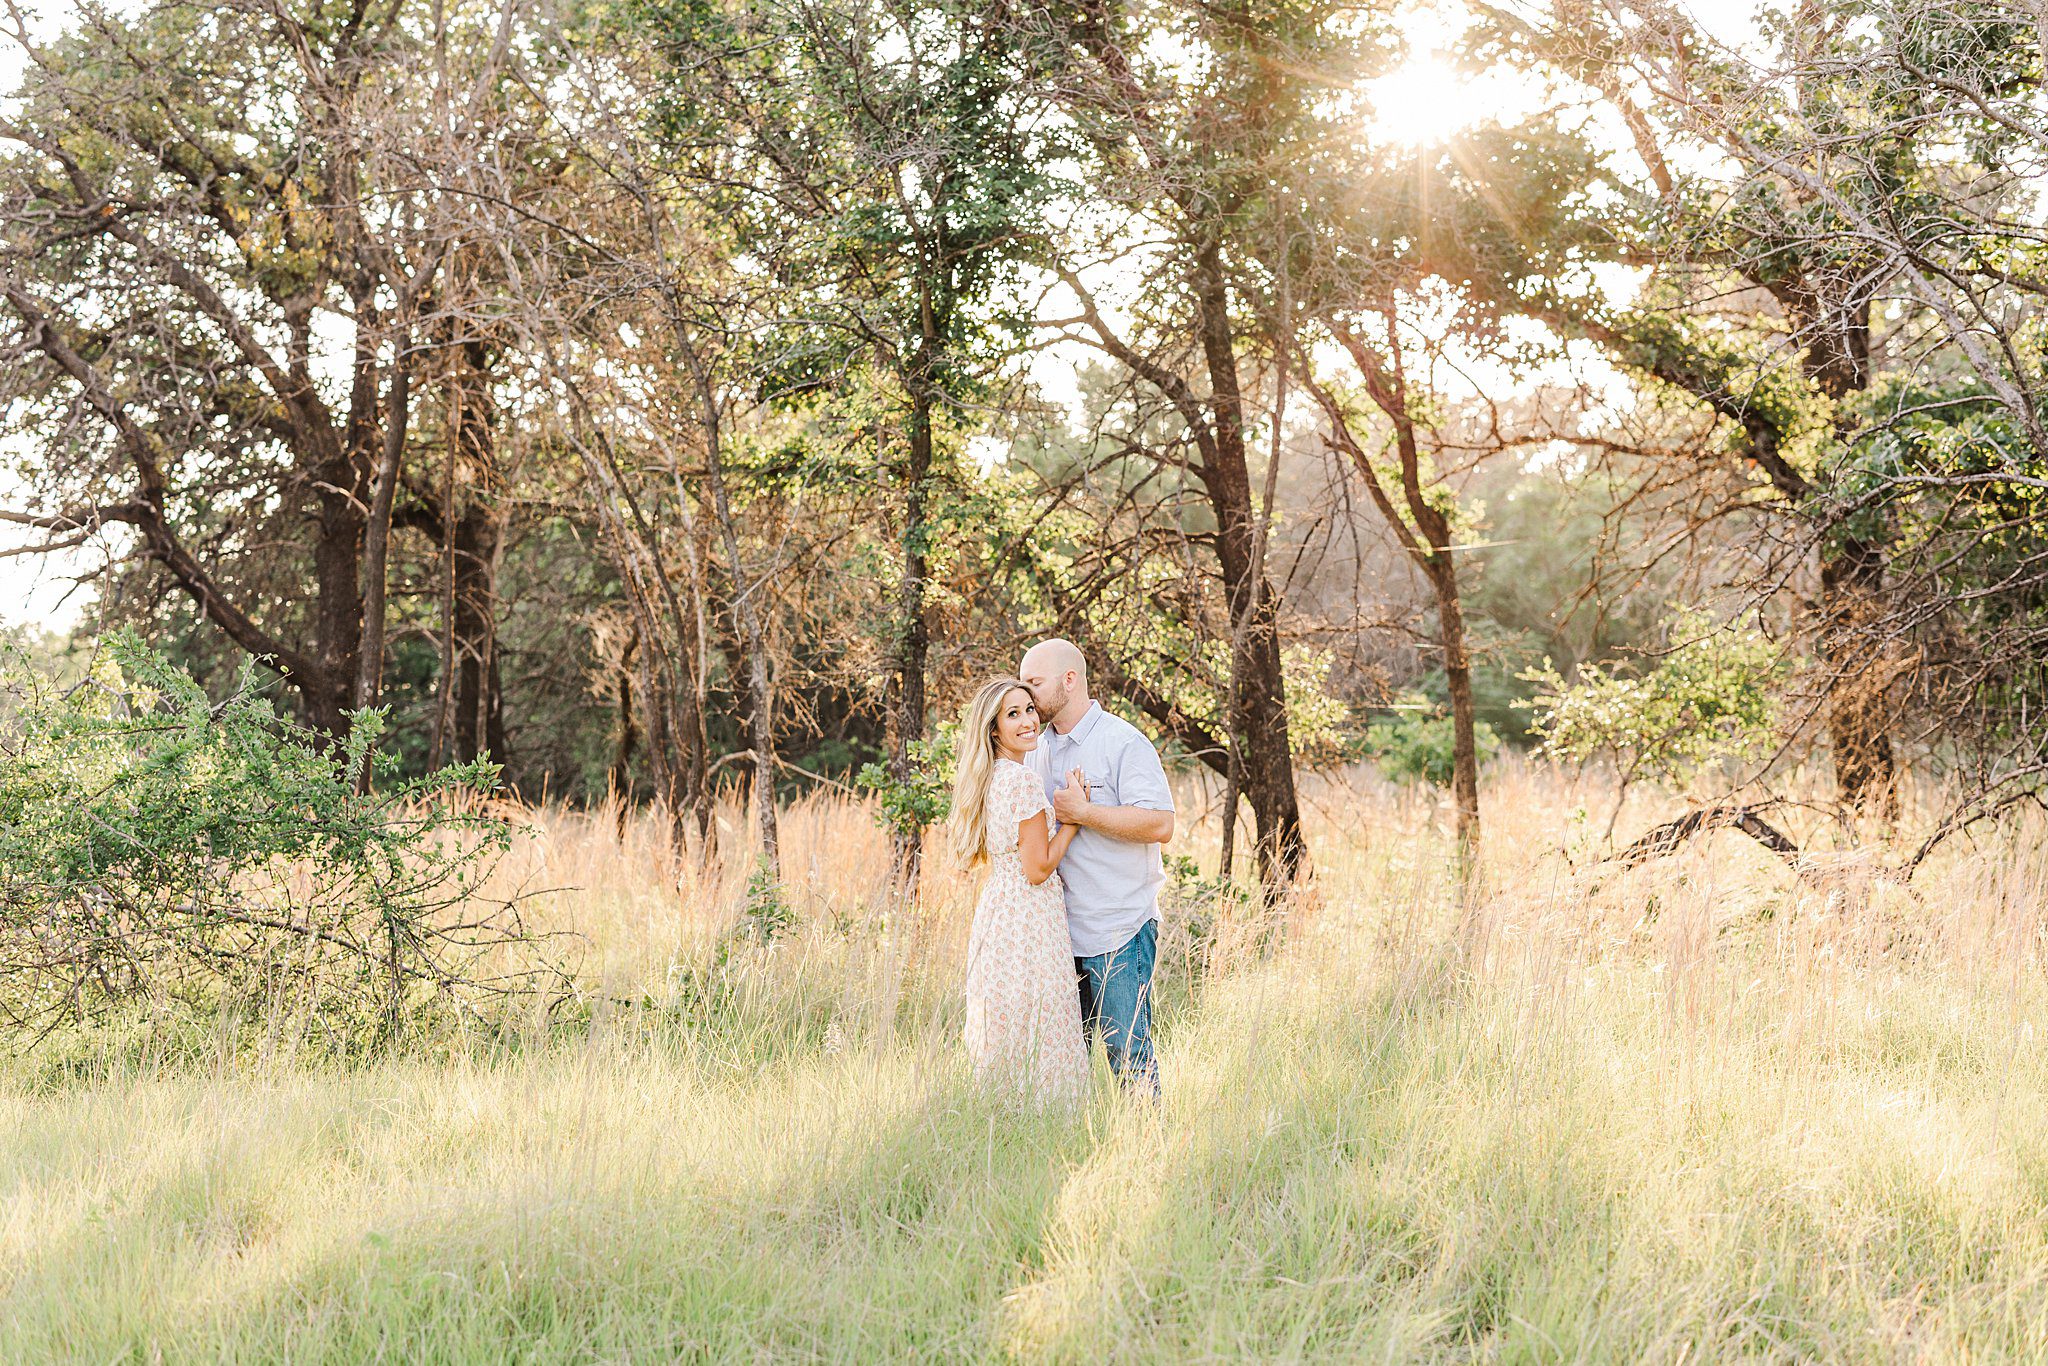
[(659, 396)]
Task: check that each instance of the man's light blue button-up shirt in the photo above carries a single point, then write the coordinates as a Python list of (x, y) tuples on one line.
[(1112, 885)]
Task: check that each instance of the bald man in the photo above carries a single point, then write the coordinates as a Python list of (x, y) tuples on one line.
[(1112, 873)]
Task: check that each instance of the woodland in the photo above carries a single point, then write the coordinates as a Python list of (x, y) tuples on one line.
[(661, 397)]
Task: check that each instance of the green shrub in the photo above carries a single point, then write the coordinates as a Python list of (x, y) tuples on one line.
[(767, 913), (921, 798), (164, 851), (1713, 696), (1417, 743)]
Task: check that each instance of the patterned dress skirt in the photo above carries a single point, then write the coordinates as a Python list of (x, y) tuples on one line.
[(1023, 1004)]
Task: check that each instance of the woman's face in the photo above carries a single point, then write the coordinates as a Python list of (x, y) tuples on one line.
[(1016, 723)]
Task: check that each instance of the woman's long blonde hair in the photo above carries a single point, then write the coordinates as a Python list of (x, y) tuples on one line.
[(974, 767)]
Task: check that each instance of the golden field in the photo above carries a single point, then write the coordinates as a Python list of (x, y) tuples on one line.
[(1709, 1109)]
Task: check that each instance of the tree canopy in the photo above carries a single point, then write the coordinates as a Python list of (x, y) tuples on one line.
[(660, 396)]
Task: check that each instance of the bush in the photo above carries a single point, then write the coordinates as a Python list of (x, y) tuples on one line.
[(921, 798), (161, 850), (1713, 696), (1417, 743)]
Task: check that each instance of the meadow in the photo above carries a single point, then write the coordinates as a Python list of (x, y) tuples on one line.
[(1707, 1109)]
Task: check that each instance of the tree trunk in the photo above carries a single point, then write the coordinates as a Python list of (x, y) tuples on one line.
[(338, 605), (1853, 647), (1258, 700), (761, 737), (750, 634), (1836, 333), (657, 714), (752, 640), (369, 679), (913, 641), (495, 742), (1425, 535), (620, 779), (346, 482), (1227, 857), (474, 548), (677, 756), (687, 728), (1450, 612)]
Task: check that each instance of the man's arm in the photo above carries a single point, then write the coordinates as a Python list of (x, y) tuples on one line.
[(1138, 824), (1147, 824)]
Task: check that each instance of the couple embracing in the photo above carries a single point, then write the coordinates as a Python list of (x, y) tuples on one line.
[(1067, 806)]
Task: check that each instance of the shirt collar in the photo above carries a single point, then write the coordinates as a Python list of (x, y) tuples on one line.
[(1084, 725)]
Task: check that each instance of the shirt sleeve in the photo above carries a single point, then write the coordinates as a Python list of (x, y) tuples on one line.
[(1141, 778)]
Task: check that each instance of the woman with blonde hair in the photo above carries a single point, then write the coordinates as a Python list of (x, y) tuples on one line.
[(1023, 1004)]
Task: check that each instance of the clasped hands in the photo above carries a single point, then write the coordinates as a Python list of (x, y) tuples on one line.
[(1070, 803)]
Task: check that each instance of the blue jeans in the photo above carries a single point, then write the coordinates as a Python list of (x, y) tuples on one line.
[(1116, 1002)]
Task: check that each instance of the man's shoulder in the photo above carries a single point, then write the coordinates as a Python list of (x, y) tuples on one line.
[(1117, 733)]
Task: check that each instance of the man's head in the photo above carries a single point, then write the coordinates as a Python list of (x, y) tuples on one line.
[(1057, 676)]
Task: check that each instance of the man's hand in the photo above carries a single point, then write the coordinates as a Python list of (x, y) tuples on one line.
[(1070, 804)]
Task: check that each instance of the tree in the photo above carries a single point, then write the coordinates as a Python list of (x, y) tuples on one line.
[(208, 212), (874, 160), (1894, 275), (1189, 145)]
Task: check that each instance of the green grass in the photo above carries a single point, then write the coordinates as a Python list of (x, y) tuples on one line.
[(1544, 1131)]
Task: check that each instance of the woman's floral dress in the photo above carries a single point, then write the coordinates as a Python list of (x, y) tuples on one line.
[(1023, 1001)]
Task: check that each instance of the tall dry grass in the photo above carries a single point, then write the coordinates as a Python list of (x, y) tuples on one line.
[(1708, 1109)]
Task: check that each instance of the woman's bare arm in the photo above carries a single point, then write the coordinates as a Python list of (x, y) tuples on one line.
[(1039, 852)]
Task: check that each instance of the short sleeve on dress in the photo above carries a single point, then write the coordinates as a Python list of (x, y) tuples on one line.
[(1000, 799), (1014, 796), (1029, 794)]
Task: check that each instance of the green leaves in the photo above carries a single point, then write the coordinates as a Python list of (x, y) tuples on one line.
[(1713, 697), (919, 798), (873, 164), (157, 847), (1416, 743)]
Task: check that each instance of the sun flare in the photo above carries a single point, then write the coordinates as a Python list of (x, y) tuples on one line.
[(1421, 102)]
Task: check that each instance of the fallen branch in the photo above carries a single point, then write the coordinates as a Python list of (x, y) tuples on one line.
[(1980, 807), (1668, 837)]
